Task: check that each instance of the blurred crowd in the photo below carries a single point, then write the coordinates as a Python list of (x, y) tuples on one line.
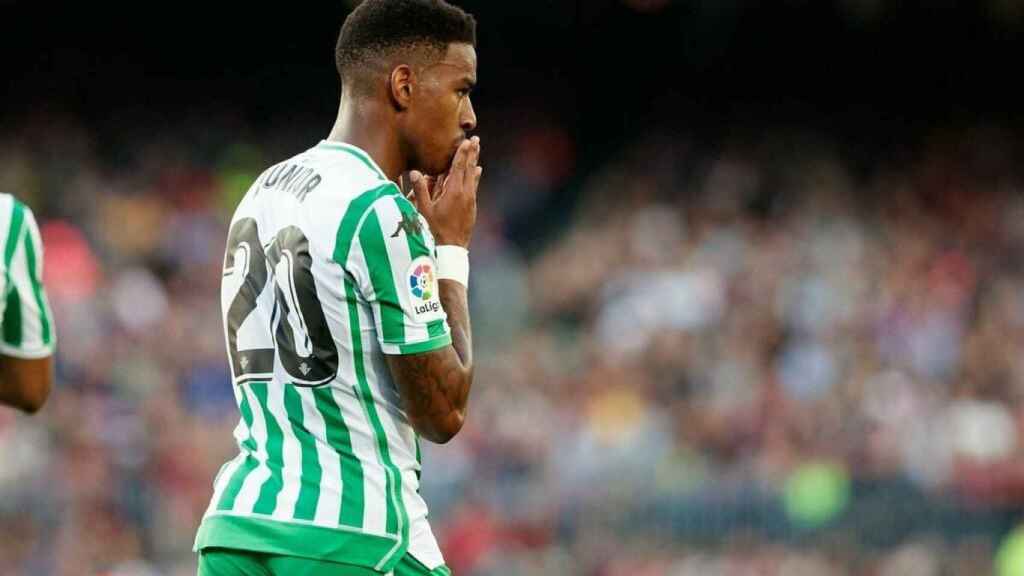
[(770, 355)]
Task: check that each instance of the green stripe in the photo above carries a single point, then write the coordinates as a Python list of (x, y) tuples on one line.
[(359, 154), (37, 289), (363, 392), (13, 231), (12, 313), (309, 492), (338, 437), (435, 328), (227, 499), (12, 319), (392, 317), (427, 345), (410, 566), (267, 500), (353, 214)]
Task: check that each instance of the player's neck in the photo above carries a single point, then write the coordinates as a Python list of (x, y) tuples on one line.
[(359, 124)]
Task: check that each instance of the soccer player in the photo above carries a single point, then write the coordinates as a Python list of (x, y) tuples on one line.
[(26, 334), (345, 312)]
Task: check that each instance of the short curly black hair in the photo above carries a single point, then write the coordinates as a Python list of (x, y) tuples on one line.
[(378, 26)]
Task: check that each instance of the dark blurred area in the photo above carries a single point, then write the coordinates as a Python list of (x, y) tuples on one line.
[(748, 293)]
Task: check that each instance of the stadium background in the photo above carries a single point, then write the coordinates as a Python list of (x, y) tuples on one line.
[(748, 295)]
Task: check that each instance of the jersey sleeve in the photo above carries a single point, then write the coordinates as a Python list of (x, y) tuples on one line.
[(395, 253), (27, 324)]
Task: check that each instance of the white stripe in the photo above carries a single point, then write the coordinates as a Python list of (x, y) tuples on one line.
[(254, 480), (328, 506), (291, 454)]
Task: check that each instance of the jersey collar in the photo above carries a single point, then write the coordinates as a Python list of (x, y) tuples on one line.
[(359, 153)]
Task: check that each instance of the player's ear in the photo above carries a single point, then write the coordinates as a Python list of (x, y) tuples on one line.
[(401, 86)]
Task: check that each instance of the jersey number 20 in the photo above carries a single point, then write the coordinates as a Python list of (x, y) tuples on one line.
[(302, 338)]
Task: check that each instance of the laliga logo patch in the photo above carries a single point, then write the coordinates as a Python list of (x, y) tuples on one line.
[(423, 285), (421, 281)]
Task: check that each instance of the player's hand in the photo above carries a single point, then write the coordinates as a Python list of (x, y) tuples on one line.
[(448, 201)]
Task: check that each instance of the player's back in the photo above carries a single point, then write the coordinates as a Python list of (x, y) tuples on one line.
[(312, 297)]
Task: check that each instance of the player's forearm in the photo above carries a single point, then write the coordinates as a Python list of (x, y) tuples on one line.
[(455, 301), (457, 377)]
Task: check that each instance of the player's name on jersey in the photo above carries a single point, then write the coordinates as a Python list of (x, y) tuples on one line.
[(292, 178)]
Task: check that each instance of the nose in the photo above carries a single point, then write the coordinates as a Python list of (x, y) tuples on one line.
[(467, 118)]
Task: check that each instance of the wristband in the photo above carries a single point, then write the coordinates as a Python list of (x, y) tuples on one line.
[(453, 264)]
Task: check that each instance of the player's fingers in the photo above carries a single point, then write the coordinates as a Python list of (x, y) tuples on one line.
[(473, 154), (437, 190), (472, 157), (458, 171), (420, 190)]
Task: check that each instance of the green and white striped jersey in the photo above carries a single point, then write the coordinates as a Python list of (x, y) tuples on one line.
[(27, 330), (327, 269)]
